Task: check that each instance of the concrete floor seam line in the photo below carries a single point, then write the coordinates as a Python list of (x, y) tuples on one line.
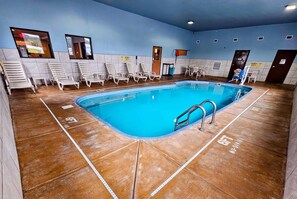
[(136, 169), (82, 153), (115, 151), (203, 148)]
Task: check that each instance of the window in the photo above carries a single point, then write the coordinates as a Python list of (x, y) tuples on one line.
[(79, 47), (32, 43), (216, 66)]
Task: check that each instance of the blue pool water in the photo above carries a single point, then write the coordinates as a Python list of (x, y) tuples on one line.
[(150, 112)]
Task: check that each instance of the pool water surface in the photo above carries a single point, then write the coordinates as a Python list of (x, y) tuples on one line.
[(150, 112)]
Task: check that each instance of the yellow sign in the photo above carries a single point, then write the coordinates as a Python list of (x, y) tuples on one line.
[(125, 59), (256, 64)]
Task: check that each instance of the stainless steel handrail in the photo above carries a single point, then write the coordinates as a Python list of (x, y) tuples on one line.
[(190, 110), (214, 109)]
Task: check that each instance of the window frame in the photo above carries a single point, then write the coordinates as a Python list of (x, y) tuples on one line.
[(50, 42), (70, 35)]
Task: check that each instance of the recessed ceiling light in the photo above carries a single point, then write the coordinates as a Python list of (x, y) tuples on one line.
[(291, 7), (190, 22)]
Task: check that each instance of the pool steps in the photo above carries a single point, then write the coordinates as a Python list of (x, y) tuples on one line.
[(189, 111)]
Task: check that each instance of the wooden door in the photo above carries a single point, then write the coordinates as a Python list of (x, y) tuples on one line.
[(239, 59), (157, 56), (77, 51), (281, 66)]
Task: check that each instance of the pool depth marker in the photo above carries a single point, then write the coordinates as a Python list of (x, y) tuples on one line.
[(203, 148), (82, 153)]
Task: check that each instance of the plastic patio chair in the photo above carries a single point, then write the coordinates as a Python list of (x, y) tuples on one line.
[(113, 74), (60, 76), (150, 75), (253, 76), (15, 77), (135, 75), (87, 76)]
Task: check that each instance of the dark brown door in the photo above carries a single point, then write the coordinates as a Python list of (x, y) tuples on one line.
[(77, 51), (239, 59), (281, 66), (157, 56)]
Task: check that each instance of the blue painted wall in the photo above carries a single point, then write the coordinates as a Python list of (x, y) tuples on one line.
[(274, 39), (113, 31)]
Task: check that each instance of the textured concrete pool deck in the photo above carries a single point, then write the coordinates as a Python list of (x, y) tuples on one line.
[(246, 161)]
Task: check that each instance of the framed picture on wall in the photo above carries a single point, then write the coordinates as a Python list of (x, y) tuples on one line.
[(32, 43)]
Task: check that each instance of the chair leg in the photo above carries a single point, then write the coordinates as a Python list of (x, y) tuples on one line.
[(33, 89), (9, 90), (116, 82), (136, 79), (88, 83), (61, 86)]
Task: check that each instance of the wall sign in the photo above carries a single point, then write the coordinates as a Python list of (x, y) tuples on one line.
[(256, 64), (282, 61), (125, 59)]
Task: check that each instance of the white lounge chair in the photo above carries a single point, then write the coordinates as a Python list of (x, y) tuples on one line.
[(136, 75), (150, 75), (112, 74), (253, 76), (15, 77), (87, 76), (60, 76)]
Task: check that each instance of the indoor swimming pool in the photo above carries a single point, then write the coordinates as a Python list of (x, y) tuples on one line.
[(150, 112)]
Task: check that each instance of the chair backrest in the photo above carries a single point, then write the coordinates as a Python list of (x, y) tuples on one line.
[(110, 69), (255, 73), (195, 69), (130, 68), (143, 68), (84, 69), (57, 71), (14, 71), (241, 73)]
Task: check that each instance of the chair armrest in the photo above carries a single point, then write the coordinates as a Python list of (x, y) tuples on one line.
[(70, 77), (138, 73)]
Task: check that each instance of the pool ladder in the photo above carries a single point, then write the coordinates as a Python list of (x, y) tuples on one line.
[(189, 111)]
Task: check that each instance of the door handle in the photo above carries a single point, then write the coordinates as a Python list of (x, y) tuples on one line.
[(273, 66)]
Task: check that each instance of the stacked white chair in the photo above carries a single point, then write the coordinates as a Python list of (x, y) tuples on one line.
[(60, 77), (15, 77), (87, 76), (135, 75), (150, 75), (113, 74)]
